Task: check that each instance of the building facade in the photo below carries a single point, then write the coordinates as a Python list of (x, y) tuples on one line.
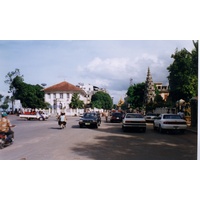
[(163, 90), (89, 91), (59, 96)]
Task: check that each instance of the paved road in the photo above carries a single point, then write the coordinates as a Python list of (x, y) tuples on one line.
[(43, 140)]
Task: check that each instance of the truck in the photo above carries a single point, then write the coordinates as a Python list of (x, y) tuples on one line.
[(34, 115)]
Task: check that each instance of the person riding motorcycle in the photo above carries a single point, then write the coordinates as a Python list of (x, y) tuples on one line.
[(5, 128), (62, 119)]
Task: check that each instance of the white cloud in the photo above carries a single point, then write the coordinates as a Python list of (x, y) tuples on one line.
[(115, 73), (113, 68)]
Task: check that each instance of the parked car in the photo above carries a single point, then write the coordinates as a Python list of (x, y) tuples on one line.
[(116, 117), (91, 119), (134, 121), (150, 117), (169, 122)]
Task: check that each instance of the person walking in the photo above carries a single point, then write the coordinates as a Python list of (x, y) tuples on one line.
[(106, 116)]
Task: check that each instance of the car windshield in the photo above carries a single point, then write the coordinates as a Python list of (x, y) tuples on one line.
[(88, 115), (171, 117), (117, 114), (134, 116), (151, 114)]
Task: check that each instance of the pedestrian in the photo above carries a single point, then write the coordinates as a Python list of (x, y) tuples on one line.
[(106, 116)]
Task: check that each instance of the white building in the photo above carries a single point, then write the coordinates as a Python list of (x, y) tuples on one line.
[(59, 97), (163, 89), (89, 90)]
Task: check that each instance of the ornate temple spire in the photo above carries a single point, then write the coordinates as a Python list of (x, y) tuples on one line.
[(149, 88)]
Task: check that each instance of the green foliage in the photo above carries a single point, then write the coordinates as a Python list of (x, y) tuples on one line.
[(158, 102), (9, 80), (5, 105), (31, 96), (76, 102), (183, 74), (1, 96), (10, 77), (101, 100), (135, 95)]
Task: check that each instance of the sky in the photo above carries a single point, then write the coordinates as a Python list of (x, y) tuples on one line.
[(108, 64)]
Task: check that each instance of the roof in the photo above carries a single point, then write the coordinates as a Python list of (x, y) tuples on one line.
[(64, 87)]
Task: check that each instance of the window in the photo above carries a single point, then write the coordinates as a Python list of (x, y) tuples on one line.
[(61, 95), (54, 95), (49, 95)]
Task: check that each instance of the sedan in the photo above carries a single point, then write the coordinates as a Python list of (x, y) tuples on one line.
[(169, 122), (90, 120), (150, 117), (134, 121), (116, 117)]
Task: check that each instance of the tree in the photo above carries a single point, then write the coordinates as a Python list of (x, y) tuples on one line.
[(5, 105), (101, 100), (9, 80), (31, 96), (135, 95), (76, 102), (183, 74), (1, 96)]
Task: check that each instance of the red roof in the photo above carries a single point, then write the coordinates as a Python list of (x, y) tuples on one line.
[(63, 86)]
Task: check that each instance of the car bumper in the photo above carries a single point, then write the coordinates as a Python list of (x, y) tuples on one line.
[(174, 127), (149, 120), (134, 125), (116, 120), (87, 123)]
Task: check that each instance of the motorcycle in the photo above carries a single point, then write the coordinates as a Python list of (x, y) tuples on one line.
[(4, 141), (62, 124)]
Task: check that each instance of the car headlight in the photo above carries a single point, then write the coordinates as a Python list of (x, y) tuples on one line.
[(80, 120)]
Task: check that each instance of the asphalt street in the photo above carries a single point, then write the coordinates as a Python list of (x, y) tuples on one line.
[(44, 140)]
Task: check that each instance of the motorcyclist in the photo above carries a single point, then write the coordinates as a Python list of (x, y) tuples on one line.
[(62, 119), (5, 128)]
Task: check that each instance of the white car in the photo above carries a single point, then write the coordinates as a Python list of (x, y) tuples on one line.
[(134, 121), (169, 122), (150, 117)]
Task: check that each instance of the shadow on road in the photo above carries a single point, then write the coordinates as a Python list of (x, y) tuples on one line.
[(136, 147), (56, 128)]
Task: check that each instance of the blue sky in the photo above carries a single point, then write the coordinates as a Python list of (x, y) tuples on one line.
[(105, 63)]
